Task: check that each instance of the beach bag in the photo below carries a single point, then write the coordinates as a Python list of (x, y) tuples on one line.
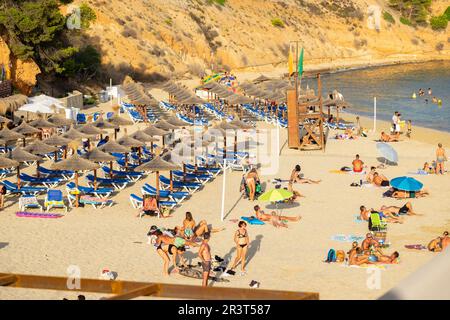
[(340, 256), (331, 257), (258, 188)]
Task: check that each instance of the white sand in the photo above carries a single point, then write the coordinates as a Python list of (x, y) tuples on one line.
[(288, 259)]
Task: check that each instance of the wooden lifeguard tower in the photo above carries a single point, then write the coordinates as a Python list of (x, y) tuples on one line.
[(307, 114)]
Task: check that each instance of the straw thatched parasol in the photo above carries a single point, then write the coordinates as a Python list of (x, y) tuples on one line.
[(142, 136), (8, 163), (91, 130), (113, 147), (176, 122), (41, 123), (261, 78), (74, 134), (102, 124), (127, 141), (9, 135), (191, 100), (157, 165), (97, 155), (4, 120), (119, 121), (25, 129), (20, 155), (240, 124), (12, 103), (164, 125), (75, 163), (57, 141), (60, 121), (39, 148), (152, 131)]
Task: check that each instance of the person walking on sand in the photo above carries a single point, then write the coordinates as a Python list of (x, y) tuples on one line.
[(440, 159), (242, 241), (251, 180), (204, 254)]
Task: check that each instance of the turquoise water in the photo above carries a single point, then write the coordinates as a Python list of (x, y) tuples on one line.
[(393, 86)]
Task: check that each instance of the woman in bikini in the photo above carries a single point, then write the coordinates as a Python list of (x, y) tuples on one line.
[(165, 248), (296, 177), (251, 179), (242, 241), (277, 221), (188, 226)]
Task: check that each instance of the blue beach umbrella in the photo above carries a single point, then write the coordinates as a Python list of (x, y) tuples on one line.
[(387, 152), (406, 184)]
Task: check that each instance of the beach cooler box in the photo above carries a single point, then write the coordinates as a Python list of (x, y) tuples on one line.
[(380, 236)]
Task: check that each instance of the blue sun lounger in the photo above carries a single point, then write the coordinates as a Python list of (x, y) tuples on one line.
[(46, 182), (136, 202), (66, 174), (191, 187), (177, 196), (118, 184), (197, 177), (130, 175), (211, 170), (100, 192), (13, 188)]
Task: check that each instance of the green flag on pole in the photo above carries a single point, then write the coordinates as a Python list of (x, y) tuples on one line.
[(300, 65)]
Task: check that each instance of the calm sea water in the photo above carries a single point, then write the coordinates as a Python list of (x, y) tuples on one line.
[(393, 86)]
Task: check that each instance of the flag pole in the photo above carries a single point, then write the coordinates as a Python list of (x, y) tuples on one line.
[(374, 114)]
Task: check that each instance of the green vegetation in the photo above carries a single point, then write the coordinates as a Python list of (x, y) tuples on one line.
[(87, 15), (447, 13), (388, 17), (439, 23), (168, 21), (414, 11), (277, 22), (405, 21), (83, 65), (218, 2), (36, 29)]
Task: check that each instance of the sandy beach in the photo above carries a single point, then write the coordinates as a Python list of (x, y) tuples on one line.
[(281, 259)]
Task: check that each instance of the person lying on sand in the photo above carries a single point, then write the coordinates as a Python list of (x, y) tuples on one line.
[(440, 243), (389, 138), (430, 169), (277, 221), (406, 209), (383, 259), (297, 177), (364, 214), (380, 180), (369, 177), (400, 194)]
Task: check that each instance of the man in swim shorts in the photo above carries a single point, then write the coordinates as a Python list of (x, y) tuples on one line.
[(440, 159), (204, 254)]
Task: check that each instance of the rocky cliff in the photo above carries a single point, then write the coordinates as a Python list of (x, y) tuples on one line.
[(22, 73), (187, 36)]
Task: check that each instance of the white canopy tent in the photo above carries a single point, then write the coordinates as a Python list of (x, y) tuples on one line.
[(42, 104)]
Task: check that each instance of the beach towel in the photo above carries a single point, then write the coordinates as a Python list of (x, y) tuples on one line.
[(419, 172), (366, 265), (415, 246), (25, 214), (346, 238), (253, 220)]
